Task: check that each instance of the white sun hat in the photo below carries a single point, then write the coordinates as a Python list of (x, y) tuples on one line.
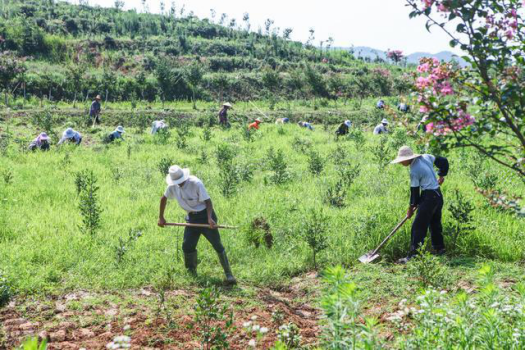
[(405, 153), (384, 121), (258, 120), (120, 129), (348, 123), (69, 133), (177, 175), (227, 104)]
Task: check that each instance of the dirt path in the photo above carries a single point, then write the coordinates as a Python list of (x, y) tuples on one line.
[(91, 320)]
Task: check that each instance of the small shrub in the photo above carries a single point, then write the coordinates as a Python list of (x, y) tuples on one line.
[(428, 270), (336, 194), (315, 163), (5, 290), (182, 136), (224, 153), (301, 144), (229, 178), (314, 233), (209, 312), (399, 138), (162, 136), (164, 165), (206, 134), (461, 211), (381, 152), (44, 121), (277, 164), (203, 157), (357, 136), (88, 206)]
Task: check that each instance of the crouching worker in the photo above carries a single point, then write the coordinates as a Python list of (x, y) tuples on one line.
[(190, 193), (426, 197), (41, 142), (343, 128), (157, 126), (282, 120), (70, 136), (255, 125), (116, 134), (305, 125)]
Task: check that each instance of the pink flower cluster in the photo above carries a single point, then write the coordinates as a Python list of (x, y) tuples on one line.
[(441, 5), (502, 25), (462, 120), (435, 78), (382, 72)]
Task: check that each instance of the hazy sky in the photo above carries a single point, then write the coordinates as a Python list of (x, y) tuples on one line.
[(381, 24)]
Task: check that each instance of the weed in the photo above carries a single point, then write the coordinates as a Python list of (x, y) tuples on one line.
[(289, 336), (209, 311), (164, 165), (117, 174), (315, 163), (88, 205), (8, 176), (301, 144), (344, 329), (259, 233), (314, 233), (277, 316), (461, 210), (125, 244), (33, 344)]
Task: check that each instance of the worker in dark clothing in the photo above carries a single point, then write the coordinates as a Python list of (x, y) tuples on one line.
[(343, 128), (426, 197), (223, 115), (94, 111)]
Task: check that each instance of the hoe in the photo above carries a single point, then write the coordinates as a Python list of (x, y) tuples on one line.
[(198, 225), (373, 255)]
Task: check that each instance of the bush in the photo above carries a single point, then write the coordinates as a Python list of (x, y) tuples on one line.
[(209, 312), (277, 164), (315, 163)]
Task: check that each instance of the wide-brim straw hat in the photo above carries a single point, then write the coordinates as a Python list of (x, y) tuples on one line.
[(348, 123), (120, 129), (43, 136), (227, 104), (258, 120), (384, 121), (177, 175), (69, 133), (98, 97), (405, 154)]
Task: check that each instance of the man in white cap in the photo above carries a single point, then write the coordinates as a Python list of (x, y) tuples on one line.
[(158, 125), (71, 136), (343, 128), (426, 197), (116, 134), (41, 142), (190, 193), (381, 128), (223, 115)]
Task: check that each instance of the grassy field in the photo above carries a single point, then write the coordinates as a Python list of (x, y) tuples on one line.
[(295, 180)]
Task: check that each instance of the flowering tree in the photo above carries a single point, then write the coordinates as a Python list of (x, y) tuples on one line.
[(10, 68), (491, 88), (395, 55)]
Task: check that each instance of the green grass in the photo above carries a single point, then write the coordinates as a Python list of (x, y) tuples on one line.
[(43, 250)]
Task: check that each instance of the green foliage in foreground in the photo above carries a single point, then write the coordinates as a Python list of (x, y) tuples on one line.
[(42, 248)]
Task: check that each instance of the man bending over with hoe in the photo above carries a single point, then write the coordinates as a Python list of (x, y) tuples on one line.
[(428, 201), (190, 193)]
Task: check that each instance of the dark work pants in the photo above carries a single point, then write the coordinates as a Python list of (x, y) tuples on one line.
[(428, 216), (192, 234)]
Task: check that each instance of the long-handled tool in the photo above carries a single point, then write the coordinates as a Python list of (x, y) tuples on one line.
[(199, 225), (373, 255)]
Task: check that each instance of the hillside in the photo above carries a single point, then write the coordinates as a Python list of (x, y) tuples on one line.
[(371, 54), (71, 52)]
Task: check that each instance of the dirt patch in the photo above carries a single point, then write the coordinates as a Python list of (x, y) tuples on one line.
[(91, 320)]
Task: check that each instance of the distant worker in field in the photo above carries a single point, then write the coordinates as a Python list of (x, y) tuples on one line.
[(284, 120), (116, 134), (223, 115), (426, 197), (156, 126), (94, 111), (380, 104), (71, 136), (403, 107), (41, 142), (343, 128), (306, 125), (255, 125), (381, 128), (190, 193)]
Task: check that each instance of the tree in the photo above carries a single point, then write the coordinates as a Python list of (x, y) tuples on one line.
[(481, 106), (395, 55), (194, 76), (11, 68)]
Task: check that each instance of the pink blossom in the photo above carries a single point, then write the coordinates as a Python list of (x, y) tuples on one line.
[(423, 68), (509, 34), (424, 109), (446, 89), (442, 8)]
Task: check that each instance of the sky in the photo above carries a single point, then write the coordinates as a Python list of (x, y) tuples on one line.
[(380, 24)]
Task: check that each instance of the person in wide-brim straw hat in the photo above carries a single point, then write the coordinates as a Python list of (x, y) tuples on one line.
[(116, 134), (192, 196), (94, 111), (381, 128), (343, 128), (425, 197), (223, 115)]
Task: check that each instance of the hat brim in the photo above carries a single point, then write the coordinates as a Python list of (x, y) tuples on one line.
[(185, 176), (405, 158)]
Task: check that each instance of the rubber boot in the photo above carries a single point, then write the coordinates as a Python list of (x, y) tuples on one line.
[(230, 279), (190, 261)]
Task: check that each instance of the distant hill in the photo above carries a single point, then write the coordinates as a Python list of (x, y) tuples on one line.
[(372, 54)]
